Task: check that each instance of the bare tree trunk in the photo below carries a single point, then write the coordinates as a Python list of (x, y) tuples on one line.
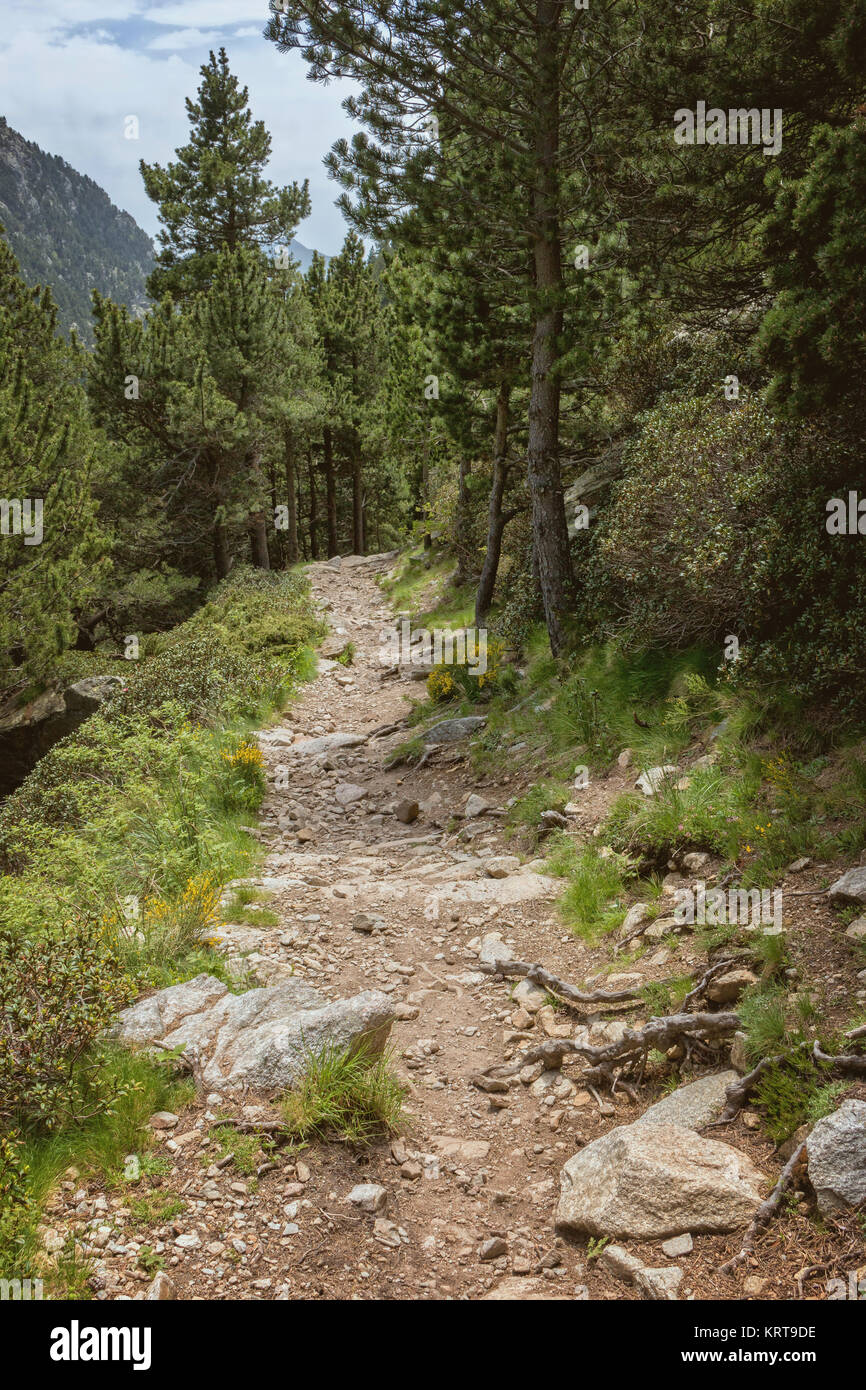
[(331, 493), (463, 524), (292, 552), (357, 502), (497, 520), (221, 557), (258, 530), (314, 512), (549, 527)]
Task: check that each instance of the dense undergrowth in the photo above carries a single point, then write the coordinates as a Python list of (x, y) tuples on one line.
[(114, 854)]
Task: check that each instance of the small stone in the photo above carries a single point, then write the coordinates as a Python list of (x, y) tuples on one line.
[(677, 1246), (754, 1285), (726, 989), (163, 1119), (660, 1285), (161, 1289), (407, 811), (368, 1196), (620, 1263), (492, 1249), (475, 806), (501, 865)]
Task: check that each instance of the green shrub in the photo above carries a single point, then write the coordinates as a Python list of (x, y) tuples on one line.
[(58, 993)]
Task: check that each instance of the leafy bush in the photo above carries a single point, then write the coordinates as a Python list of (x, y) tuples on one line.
[(719, 527), (58, 994)]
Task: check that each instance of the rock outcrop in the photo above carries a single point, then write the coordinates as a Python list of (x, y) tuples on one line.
[(259, 1041)]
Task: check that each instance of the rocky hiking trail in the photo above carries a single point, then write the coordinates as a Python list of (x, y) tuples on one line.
[(377, 895)]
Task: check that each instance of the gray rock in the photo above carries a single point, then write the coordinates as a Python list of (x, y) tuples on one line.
[(856, 931), (492, 1249), (659, 1284), (454, 730), (530, 996), (677, 1246), (501, 865), (726, 989), (407, 811), (494, 949), (637, 913), (326, 743), (161, 1289), (850, 888), (261, 1040), (368, 1196), (653, 1181), (650, 781), (347, 793), (696, 861), (620, 1263), (691, 1106), (836, 1157), (475, 806)]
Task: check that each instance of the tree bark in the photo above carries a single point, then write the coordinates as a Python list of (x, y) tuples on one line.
[(496, 520), (331, 493), (549, 527), (357, 502), (221, 557), (314, 513), (258, 531), (292, 552)]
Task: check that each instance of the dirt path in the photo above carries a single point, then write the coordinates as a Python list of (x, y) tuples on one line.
[(366, 901)]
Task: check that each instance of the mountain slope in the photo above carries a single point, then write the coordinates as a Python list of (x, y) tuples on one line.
[(66, 232)]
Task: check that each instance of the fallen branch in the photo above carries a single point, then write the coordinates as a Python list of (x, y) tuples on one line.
[(739, 1092), (522, 970), (766, 1211), (659, 1034), (844, 1064)]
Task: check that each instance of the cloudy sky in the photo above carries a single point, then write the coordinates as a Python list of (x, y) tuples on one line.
[(70, 74)]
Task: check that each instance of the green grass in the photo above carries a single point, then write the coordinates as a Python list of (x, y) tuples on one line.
[(247, 1150), (354, 1098), (594, 901), (97, 1148)]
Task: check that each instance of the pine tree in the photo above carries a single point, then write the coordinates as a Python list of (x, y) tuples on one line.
[(54, 555), (214, 196), (517, 91)]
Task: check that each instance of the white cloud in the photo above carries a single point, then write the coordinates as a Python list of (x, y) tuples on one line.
[(178, 39), (70, 91)]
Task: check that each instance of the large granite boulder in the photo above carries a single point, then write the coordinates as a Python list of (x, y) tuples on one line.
[(836, 1158), (261, 1040), (645, 1182)]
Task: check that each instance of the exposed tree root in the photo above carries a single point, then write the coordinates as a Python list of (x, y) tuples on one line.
[(609, 1060), (766, 1211), (522, 970), (718, 969)]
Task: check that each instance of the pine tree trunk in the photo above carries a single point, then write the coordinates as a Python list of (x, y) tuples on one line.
[(258, 530), (357, 503), (331, 494), (496, 519), (549, 528), (314, 513), (221, 557), (292, 552), (464, 524)]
